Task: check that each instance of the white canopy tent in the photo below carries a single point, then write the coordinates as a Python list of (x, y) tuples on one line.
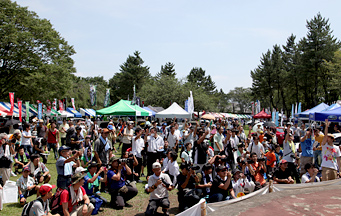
[(65, 114), (173, 111)]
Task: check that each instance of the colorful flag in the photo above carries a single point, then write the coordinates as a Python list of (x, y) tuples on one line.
[(277, 118), (20, 110), (27, 104), (93, 94), (61, 105), (40, 110), (282, 117), (296, 108), (54, 104), (11, 100), (48, 106), (299, 109), (292, 111), (73, 103), (107, 97)]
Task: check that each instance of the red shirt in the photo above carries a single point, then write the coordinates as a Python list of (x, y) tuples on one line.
[(52, 136), (64, 197)]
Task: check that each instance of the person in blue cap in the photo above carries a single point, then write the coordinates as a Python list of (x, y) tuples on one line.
[(64, 166)]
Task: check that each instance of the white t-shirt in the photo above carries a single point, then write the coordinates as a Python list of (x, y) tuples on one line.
[(329, 156), (172, 138), (160, 191), (187, 156), (26, 141), (173, 169), (306, 177), (137, 146), (177, 133), (256, 148), (287, 152)]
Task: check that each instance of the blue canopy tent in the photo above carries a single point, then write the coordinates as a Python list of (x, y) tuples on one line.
[(152, 113), (332, 115), (74, 112), (333, 106), (318, 108), (86, 112)]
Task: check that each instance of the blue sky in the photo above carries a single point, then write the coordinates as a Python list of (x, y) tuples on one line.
[(225, 38)]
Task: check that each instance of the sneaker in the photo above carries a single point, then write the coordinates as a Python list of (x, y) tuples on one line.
[(142, 175), (13, 174)]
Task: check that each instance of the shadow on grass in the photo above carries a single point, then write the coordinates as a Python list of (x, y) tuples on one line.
[(172, 211), (14, 205)]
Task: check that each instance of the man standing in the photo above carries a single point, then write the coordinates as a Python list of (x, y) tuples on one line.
[(137, 148), (6, 150), (62, 130), (70, 132), (155, 142), (318, 147), (218, 141), (103, 153), (256, 147), (128, 134), (290, 154), (330, 156), (307, 156), (173, 139), (158, 186), (77, 139)]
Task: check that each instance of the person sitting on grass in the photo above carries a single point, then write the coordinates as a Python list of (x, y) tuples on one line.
[(41, 206), (21, 159), (26, 186), (38, 170)]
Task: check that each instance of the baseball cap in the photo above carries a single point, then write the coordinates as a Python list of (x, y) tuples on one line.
[(105, 130), (156, 165), (26, 169), (220, 168), (80, 170), (63, 148), (283, 161), (165, 124), (110, 127), (113, 159), (93, 164), (45, 188)]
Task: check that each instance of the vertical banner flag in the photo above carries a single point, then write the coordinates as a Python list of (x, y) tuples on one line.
[(107, 97), (93, 95), (190, 103), (54, 104), (273, 115), (256, 107), (48, 106), (277, 118), (282, 117), (292, 111), (27, 105), (65, 103), (11, 100), (296, 109), (253, 108), (299, 109), (61, 105), (73, 103), (40, 110), (20, 110), (138, 101), (186, 105)]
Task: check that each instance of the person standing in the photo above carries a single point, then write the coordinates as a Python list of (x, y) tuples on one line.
[(6, 150), (128, 133), (41, 129), (331, 161), (290, 154), (318, 147), (173, 139), (26, 139), (52, 137), (103, 152), (155, 142), (307, 156), (70, 132), (137, 148), (62, 130), (218, 141)]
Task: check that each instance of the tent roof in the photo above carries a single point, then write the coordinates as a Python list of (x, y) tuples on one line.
[(333, 115), (86, 112), (65, 114), (172, 111), (156, 109), (262, 114), (318, 108), (123, 108), (152, 113), (74, 112)]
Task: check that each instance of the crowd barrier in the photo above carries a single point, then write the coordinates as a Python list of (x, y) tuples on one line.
[(202, 208)]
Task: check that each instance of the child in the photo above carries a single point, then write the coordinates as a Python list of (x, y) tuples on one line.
[(270, 161)]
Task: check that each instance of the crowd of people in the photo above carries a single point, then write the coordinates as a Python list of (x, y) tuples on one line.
[(218, 162)]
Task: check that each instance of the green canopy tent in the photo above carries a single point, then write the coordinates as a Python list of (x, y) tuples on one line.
[(123, 108)]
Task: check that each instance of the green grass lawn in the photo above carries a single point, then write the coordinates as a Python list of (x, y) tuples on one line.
[(139, 203)]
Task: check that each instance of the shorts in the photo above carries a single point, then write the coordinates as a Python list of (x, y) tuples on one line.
[(328, 174)]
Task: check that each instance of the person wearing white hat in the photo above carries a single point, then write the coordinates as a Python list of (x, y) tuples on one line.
[(158, 186)]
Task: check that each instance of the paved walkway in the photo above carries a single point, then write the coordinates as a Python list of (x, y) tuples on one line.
[(312, 201)]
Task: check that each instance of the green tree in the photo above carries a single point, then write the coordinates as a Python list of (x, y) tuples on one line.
[(35, 61), (198, 77), (242, 96), (167, 69), (132, 72)]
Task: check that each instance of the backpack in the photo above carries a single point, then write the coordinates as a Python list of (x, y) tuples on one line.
[(55, 206), (28, 206)]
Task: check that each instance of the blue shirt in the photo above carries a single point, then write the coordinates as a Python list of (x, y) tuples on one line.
[(89, 191), (116, 184), (307, 148), (64, 169)]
